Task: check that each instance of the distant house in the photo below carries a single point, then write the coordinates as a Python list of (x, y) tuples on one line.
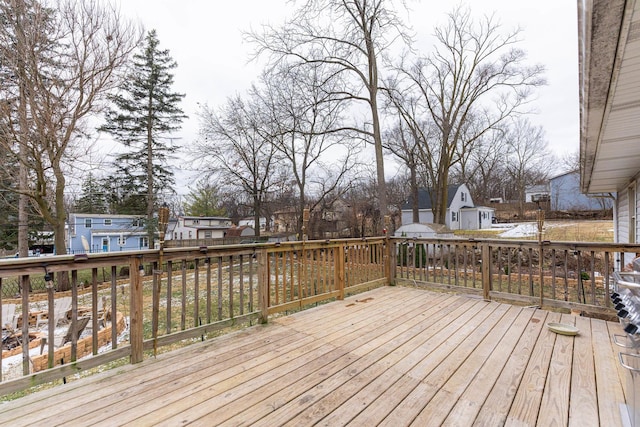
[(241, 231), (106, 233), (200, 227), (536, 193), (461, 212), (566, 195), (251, 222)]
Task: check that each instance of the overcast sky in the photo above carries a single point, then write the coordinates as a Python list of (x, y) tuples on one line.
[(205, 39)]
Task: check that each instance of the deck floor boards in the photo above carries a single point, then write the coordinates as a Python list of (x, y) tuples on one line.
[(393, 356)]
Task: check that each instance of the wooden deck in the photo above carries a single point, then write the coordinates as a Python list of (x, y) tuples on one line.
[(393, 356)]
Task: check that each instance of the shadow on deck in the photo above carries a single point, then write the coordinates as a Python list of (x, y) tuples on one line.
[(392, 356)]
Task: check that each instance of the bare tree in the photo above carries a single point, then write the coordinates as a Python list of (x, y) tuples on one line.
[(236, 145), (363, 217), (570, 161), (65, 57), (483, 170), (402, 142), (350, 36), (406, 140), (529, 161), (475, 79), (398, 192), (304, 117)]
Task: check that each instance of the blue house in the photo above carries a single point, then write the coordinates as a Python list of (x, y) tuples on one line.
[(566, 195), (106, 233)]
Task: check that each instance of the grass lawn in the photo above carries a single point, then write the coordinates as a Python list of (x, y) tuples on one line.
[(556, 230)]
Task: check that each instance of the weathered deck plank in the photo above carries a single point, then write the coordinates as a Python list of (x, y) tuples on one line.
[(468, 405), (393, 356), (343, 404), (610, 393), (359, 374), (583, 379), (264, 404), (554, 407), (436, 370), (214, 381), (497, 404), (336, 348), (526, 404)]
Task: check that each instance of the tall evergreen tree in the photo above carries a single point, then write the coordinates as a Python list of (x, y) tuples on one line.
[(93, 198), (145, 113)]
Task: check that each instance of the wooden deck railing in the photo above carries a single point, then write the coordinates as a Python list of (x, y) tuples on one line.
[(299, 274), (567, 275), (134, 303), (154, 299)]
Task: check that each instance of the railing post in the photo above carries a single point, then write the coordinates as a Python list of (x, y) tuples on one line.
[(387, 251), (486, 271), (387, 259), (24, 288), (263, 284), (136, 317), (339, 270)]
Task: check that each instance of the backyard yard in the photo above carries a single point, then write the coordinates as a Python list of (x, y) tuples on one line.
[(554, 230)]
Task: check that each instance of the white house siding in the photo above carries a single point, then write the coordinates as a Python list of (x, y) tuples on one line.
[(424, 217), (476, 218), (622, 205), (187, 228), (623, 211), (462, 199)]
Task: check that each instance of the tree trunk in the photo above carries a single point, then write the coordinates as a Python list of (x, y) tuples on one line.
[(377, 136), (257, 208), (415, 208), (382, 184), (24, 125), (300, 219), (150, 184)]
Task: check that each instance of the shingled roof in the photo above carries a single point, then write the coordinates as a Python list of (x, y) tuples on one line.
[(424, 198)]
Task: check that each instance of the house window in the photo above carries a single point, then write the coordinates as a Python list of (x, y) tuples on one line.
[(138, 222), (190, 234), (196, 221), (454, 216), (462, 196), (107, 222), (87, 222), (144, 242), (122, 241), (207, 234)]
